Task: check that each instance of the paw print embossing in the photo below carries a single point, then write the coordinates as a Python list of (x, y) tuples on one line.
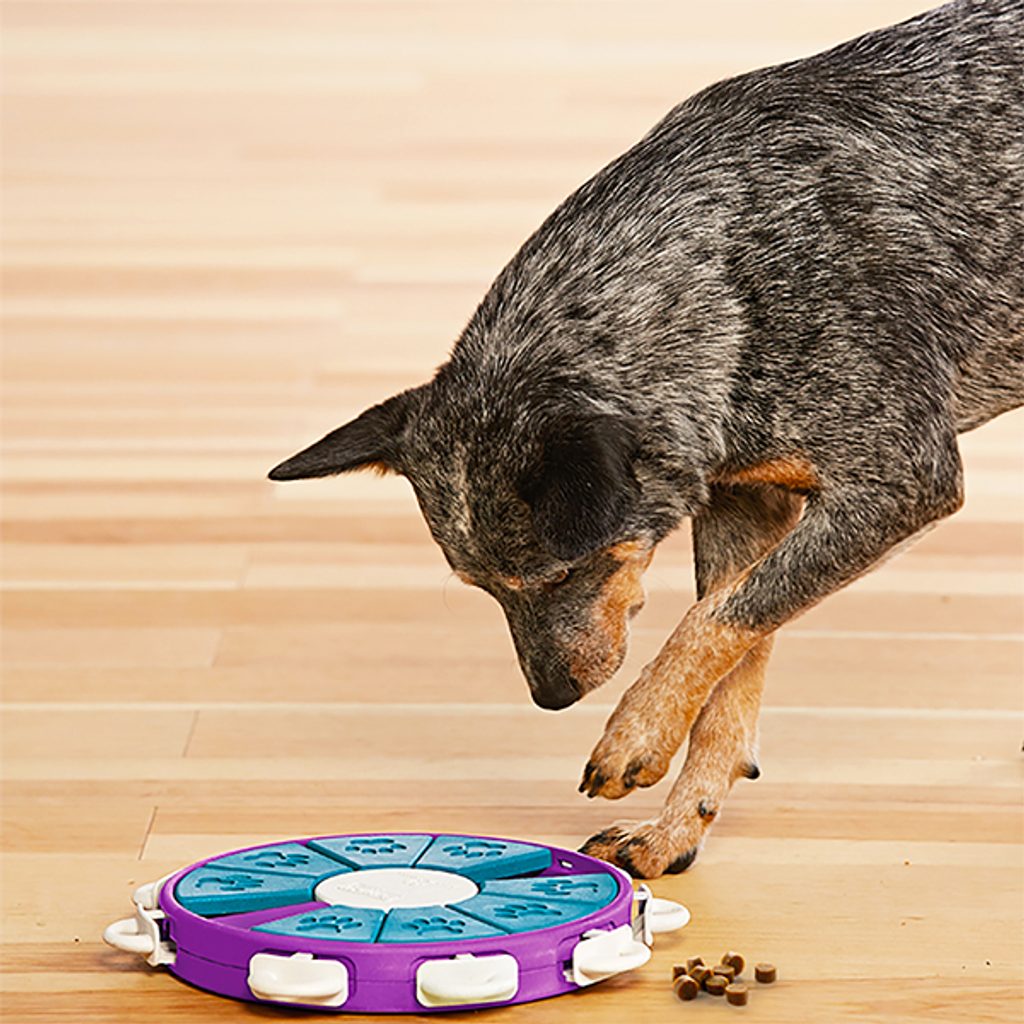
[(564, 886), (515, 911), (473, 848), (332, 921), (436, 925), (230, 883), (374, 845), (277, 859)]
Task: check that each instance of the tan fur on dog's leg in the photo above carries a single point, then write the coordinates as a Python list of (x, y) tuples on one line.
[(744, 524), (655, 714), (722, 749)]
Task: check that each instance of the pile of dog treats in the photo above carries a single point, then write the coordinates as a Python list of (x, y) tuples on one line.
[(723, 979)]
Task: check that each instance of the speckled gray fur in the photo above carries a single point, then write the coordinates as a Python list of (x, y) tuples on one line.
[(823, 259)]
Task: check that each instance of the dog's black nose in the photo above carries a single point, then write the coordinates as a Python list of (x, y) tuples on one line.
[(554, 700), (553, 692)]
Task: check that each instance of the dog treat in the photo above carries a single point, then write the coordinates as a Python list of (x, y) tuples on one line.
[(678, 970), (736, 994), (700, 974), (735, 961), (727, 971), (765, 973), (694, 961), (685, 987), (716, 984)]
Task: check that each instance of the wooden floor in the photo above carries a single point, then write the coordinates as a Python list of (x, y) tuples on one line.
[(229, 227)]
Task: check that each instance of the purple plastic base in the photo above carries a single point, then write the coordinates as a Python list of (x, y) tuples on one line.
[(214, 953)]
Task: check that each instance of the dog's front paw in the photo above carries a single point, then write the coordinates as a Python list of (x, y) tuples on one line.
[(671, 843), (612, 773), (645, 849), (634, 751)]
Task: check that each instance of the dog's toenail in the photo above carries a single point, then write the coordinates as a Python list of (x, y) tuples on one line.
[(752, 771), (681, 863), (606, 837), (632, 771), (623, 859)]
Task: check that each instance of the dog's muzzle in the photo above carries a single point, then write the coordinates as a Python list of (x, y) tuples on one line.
[(553, 691)]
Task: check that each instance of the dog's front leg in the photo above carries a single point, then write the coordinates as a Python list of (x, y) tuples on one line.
[(655, 714), (739, 526), (843, 533), (722, 748)]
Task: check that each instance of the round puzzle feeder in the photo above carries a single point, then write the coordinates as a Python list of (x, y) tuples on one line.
[(395, 923)]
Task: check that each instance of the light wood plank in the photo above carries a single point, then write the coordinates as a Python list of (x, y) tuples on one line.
[(227, 228)]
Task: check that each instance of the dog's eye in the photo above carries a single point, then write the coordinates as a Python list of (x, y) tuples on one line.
[(558, 579)]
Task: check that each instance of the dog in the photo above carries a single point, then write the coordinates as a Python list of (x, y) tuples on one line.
[(771, 316)]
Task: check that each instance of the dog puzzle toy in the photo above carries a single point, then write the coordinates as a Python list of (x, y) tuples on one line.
[(395, 923)]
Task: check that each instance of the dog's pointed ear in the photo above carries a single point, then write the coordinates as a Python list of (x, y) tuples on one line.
[(581, 486), (371, 440)]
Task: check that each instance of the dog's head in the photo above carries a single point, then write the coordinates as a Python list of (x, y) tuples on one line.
[(536, 503)]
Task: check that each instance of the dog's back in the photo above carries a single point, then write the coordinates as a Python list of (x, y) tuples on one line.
[(844, 228), (879, 200)]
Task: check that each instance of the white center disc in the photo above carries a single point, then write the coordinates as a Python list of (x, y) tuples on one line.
[(388, 888)]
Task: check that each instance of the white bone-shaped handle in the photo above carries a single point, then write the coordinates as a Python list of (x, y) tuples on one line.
[(141, 934), (125, 935), (666, 915), (655, 916), (600, 954), (298, 978), (467, 979)]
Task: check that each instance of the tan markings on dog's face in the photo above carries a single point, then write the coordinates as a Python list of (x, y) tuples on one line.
[(793, 472), (602, 647), (509, 582)]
